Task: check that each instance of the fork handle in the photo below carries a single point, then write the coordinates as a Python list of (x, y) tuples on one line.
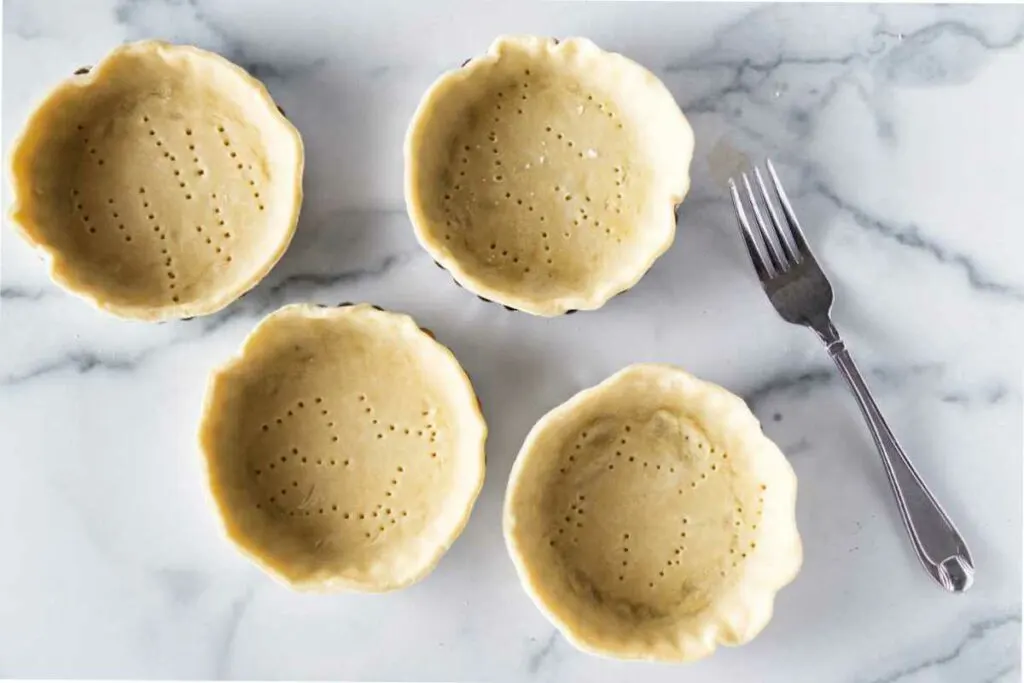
[(936, 540)]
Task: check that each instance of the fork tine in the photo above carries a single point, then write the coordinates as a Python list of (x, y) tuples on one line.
[(787, 208), (773, 251), (760, 265), (780, 231)]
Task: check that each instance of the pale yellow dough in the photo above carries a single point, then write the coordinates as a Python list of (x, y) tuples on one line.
[(344, 446), (545, 175), (650, 518), (163, 183)]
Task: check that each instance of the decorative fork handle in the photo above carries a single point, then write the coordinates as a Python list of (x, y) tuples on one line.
[(937, 542)]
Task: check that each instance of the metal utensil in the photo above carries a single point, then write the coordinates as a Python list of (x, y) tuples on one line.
[(802, 295)]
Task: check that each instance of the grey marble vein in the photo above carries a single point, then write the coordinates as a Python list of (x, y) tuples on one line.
[(80, 362), (789, 382), (909, 63), (327, 280), (975, 632), (539, 658), (241, 51), (990, 396), (1004, 672), (224, 648), (943, 53), (798, 383), (24, 294), (913, 237)]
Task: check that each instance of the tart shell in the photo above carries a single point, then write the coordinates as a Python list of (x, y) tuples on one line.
[(650, 518), (344, 448), (162, 183), (544, 175)]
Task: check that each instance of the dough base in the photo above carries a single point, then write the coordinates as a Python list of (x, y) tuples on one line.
[(544, 176), (345, 448), (650, 518), (162, 183)]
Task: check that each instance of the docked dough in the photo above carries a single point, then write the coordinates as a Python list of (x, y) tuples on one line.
[(344, 446), (545, 175), (163, 183), (650, 518)]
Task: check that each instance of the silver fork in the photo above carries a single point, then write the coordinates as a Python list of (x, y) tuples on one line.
[(800, 292)]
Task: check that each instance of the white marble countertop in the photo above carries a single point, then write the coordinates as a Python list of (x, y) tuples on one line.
[(899, 130)]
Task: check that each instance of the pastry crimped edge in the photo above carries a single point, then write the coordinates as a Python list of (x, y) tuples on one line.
[(541, 48), (59, 270), (747, 612), (326, 582)]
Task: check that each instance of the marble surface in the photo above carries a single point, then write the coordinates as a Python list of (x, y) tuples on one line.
[(898, 130)]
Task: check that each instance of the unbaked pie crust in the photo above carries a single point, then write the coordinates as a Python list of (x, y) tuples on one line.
[(163, 183), (650, 518), (544, 175), (344, 447)]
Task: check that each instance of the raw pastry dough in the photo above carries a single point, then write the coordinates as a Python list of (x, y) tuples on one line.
[(545, 175), (650, 518), (163, 183), (344, 446)]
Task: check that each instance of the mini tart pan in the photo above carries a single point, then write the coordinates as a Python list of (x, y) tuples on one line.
[(344, 448), (544, 175), (163, 183), (650, 518)]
